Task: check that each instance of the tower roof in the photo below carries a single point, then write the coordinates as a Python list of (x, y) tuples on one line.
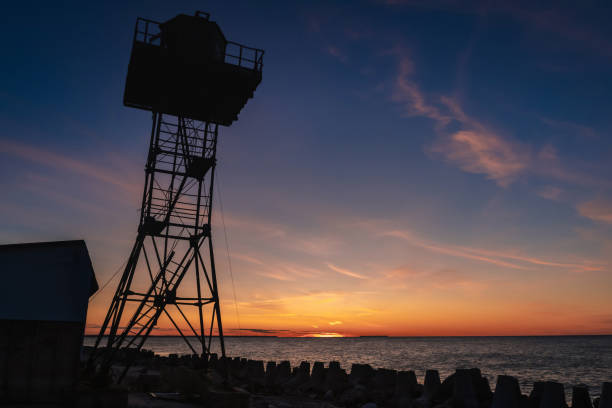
[(46, 281)]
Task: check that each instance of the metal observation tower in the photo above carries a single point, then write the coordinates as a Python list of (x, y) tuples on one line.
[(192, 79)]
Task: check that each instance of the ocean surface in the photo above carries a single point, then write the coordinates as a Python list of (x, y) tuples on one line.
[(568, 359)]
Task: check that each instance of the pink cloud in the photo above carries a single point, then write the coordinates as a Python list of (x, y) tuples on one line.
[(499, 258), (447, 250), (336, 53), (474, 149), (61, 162), (484, 152), (407, 92), (345, 272), (599, 210), (550, 192)]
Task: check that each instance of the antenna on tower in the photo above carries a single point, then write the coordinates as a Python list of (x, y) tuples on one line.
[(192, 79)]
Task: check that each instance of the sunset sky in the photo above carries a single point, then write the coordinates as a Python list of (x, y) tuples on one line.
[(405, 167)]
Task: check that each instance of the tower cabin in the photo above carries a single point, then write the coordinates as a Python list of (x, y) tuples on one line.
[(186, 67)]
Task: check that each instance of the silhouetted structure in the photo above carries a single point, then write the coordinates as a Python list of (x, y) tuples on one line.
[(41, 333), (192, 79)]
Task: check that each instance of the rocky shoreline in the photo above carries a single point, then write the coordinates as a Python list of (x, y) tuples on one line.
[(240, 382)]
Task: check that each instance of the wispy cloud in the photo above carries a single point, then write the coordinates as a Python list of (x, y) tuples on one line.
[(483, 152), (337, 53), (66, 163), (345, 272), (499, 258), (599, 210), (407, 93), (550, 192), (474, 148), (448, 250)]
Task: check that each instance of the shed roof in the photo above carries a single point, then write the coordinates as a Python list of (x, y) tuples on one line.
[(46, 281)]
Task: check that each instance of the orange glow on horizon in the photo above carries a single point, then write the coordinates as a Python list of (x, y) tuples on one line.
[(325, 335)]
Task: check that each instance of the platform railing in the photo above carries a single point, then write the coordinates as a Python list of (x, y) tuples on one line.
[(149, 32), (243, 56)]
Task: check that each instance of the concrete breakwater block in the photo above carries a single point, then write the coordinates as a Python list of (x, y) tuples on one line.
[(270, 378), (406, 384), (235, 367), (464, 394), (213, 359), (605, 401), (535, 396), (385, 381), (553, 395), (507, 393), (581, 397), (336, 379), (318, 375), (255, 369), (431, 385), (361, 373), (303, 373), (283, 372)]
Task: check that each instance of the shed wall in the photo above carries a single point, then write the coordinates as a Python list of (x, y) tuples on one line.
[(39, 360)]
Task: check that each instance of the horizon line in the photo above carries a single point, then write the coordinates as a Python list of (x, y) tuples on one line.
[(386, 336)]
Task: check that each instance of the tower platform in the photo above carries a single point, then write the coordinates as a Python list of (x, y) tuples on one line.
[(190, 53)]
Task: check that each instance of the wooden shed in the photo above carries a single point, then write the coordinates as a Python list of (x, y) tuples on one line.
[(43, 307)]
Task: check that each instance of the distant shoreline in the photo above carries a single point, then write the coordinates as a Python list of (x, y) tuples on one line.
[(391, 337)]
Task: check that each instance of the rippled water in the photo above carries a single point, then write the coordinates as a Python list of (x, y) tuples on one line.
[(568, 359)]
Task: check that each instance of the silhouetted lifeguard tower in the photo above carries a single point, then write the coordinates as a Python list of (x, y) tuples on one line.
[(193, 80)]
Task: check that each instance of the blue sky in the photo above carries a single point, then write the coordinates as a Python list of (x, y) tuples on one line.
[(398, 155)]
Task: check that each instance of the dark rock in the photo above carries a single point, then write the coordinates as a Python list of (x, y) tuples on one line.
[(553, 395), (225, 399), (353, 396), (507, 393), (102, 398), (605, 401), (148, 382)]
